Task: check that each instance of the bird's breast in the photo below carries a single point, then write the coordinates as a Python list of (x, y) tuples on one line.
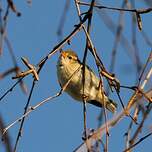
[(75, 86)]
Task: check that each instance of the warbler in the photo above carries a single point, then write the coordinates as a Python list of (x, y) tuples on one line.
[(69, 68)]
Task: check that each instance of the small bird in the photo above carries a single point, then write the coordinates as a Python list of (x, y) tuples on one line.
[(69, 66)]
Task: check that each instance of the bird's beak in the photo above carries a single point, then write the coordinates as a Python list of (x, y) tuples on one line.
[(64, 54)]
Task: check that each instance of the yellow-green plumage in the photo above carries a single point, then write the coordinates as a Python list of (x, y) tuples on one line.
[(68, 63)]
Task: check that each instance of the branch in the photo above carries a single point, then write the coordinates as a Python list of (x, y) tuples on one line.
[(139, 11)]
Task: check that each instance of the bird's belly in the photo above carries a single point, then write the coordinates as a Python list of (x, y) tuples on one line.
[(77, 91), (75, 86)]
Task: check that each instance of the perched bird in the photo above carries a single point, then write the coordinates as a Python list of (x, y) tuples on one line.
[(68, 63)]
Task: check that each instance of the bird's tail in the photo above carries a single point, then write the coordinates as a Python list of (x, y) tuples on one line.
[(111, 105)]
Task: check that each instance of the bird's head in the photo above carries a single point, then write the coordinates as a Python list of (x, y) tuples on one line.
[(68, 57)]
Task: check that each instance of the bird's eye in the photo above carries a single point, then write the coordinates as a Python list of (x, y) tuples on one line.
[(70, 57)]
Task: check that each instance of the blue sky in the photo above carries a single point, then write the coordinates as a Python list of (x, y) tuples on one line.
[(58, 125)]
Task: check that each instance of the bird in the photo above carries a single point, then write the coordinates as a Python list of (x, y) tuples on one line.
[(83, 82)]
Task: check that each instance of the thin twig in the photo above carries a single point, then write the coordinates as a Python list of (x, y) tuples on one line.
[(13, 7), (5, 38), (147, 62), (134, 43), (62, 20), (7, 72), (23, 119), (137, 91), (83, 79), (139, 141), (139, 11), (10, 89), (127, 135), (117, 38), (6, 139), (89, 13), (138, 130)]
